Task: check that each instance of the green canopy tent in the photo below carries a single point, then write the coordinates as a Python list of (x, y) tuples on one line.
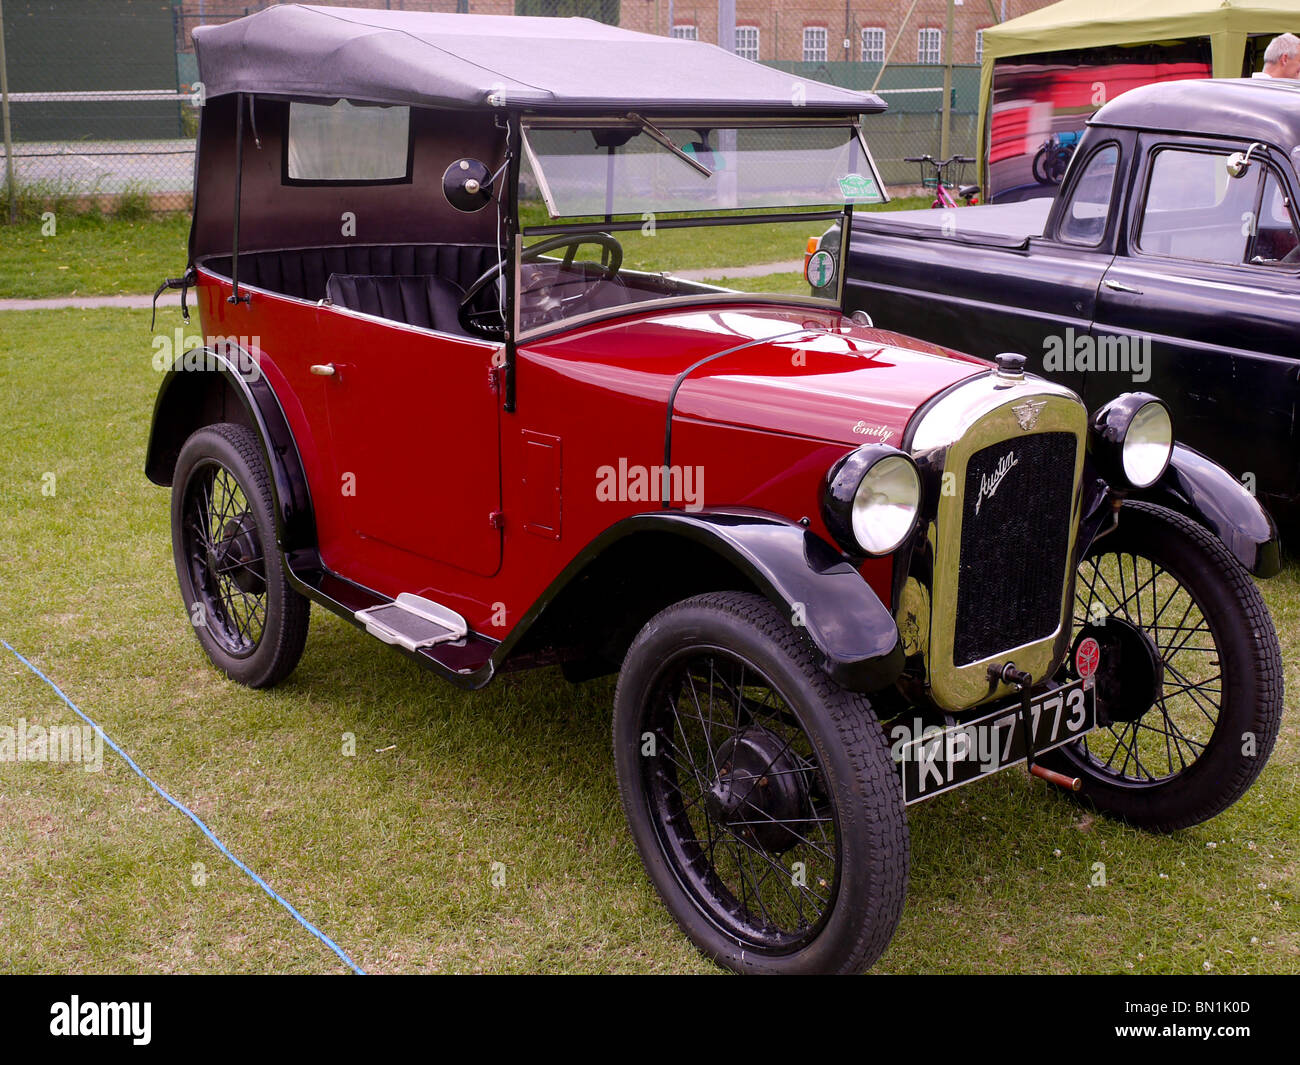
[(1073, 25)]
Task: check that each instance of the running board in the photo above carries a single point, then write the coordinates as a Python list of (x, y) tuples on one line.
[(413, 622), (467, 663)]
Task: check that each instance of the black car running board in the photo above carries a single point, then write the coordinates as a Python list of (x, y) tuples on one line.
[(466, 661)]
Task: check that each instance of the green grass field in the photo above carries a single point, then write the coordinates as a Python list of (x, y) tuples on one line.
[(94, 256), (91, 256), (391, 851)]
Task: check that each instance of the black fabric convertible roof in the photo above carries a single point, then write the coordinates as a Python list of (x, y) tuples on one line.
[(536, 64)]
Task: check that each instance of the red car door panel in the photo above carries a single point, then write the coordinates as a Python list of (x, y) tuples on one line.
[(414, 422)]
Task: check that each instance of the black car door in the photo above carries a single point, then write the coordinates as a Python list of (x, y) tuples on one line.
[(1202, 307)]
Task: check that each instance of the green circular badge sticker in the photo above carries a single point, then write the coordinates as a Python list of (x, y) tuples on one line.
[(821, 269)]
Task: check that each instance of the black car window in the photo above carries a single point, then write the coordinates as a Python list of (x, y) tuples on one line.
[(1195, 210), (1276, 240), (1084, 219)]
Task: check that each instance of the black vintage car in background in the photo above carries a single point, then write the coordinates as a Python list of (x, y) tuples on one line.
[(1169, 261)]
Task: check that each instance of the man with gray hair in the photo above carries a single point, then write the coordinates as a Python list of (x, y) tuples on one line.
[(1281, 58)]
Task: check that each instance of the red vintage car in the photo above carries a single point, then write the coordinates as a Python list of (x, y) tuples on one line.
[(487, 372)]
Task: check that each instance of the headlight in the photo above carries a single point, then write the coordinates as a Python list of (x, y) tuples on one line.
[(871, 499), (1133, 438)]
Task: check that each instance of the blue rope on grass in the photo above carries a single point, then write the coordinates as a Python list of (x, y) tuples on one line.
[(193, 817)]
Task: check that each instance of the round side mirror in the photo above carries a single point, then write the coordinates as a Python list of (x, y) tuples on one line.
[(467, 185), (1238, 163)]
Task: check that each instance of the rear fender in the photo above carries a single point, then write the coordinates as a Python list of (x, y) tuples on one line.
[(210, 386)]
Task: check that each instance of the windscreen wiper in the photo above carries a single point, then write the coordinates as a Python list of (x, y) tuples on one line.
[(655, 133)]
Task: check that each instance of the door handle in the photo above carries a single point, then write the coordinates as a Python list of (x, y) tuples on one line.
[(323, 369), (1119, 286)]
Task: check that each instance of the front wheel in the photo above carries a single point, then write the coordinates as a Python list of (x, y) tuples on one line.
[(250, 621), (1190, 679), (761, 796)]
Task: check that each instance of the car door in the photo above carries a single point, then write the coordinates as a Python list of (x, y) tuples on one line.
[(1204, 307), (414, 430)]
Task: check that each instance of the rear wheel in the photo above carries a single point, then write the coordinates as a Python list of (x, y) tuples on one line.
[(1190, 679), (251, 623), (761, 796), (1040, 167)]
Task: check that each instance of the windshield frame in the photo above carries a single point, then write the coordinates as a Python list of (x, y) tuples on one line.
[(829, 214), (637, 122)]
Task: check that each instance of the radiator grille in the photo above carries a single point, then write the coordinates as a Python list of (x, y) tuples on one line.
[(1014, 540)]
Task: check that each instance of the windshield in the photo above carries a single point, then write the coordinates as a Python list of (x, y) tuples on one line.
[(615, 216), (643, 166)]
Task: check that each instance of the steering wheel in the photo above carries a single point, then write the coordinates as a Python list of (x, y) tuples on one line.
[(486, 321)]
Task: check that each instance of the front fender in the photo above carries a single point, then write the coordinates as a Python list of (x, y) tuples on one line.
[(854, 633), (1207, 493)]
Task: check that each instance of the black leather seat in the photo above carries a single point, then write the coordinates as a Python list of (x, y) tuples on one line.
[(417, 299), (303, 272)]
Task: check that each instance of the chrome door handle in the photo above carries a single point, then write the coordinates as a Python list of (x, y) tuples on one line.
[(323, 369), (1119, 286)]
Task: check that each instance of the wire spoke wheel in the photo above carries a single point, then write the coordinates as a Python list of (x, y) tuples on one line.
[(227, 558), (1175, 730), (249, 620), (1189, 677), (761, 795), (740, 801)]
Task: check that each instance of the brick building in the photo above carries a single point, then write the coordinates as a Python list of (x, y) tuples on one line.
[(817, 30), (766, 30)]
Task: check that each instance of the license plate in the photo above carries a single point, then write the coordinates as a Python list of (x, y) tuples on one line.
[(939, 760)]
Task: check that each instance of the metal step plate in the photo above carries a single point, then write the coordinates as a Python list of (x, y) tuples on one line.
[(413, 622)]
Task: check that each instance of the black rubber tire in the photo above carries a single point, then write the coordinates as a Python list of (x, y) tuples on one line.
[(284, 633), (1040, 167), (862, 782), (1251, 678)]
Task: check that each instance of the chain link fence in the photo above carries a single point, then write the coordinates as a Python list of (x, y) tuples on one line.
[(102, 115), (913, 124)]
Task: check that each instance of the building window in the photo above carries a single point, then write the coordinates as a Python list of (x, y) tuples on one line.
[(979, 46), (929, 46), (684, 31), (747, 42), (814, 44), (873, 44)]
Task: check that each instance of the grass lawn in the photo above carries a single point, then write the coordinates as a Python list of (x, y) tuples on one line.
[(93, 256), (390, 852)]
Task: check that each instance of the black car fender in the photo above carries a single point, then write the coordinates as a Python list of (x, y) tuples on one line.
[(806, 578), (207, 386), (1204, 491)]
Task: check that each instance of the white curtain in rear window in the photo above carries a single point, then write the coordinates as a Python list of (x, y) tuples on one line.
[(343, 142)]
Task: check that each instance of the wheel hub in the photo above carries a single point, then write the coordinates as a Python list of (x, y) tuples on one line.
[(238, 556), (1131, 673), (759, 791)]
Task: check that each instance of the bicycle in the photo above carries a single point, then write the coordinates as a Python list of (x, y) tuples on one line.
[(943, 197), (1054, 157)]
